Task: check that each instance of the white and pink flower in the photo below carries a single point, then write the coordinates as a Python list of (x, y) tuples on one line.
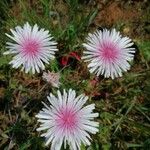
[(33, 47), (67, 121), (108, 53), (52, 78)]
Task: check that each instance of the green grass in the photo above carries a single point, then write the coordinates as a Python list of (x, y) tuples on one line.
[(123, 103)]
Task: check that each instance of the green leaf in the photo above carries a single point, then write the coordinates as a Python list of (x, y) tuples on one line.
[(144, 47), (3, 61)]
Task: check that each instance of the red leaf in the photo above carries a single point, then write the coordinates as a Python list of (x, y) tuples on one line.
[(64, 60), (75, 55)]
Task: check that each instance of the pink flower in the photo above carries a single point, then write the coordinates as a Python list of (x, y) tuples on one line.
[(52, 78), (67, 121), (108, 53), (33, 48)]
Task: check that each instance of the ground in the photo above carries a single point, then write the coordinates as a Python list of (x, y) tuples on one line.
[(123, 103)]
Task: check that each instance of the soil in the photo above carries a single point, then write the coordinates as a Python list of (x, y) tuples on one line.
[(133, 17)]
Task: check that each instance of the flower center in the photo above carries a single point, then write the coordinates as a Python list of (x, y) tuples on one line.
[(67, 119), (31, 47), (109, 52)]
